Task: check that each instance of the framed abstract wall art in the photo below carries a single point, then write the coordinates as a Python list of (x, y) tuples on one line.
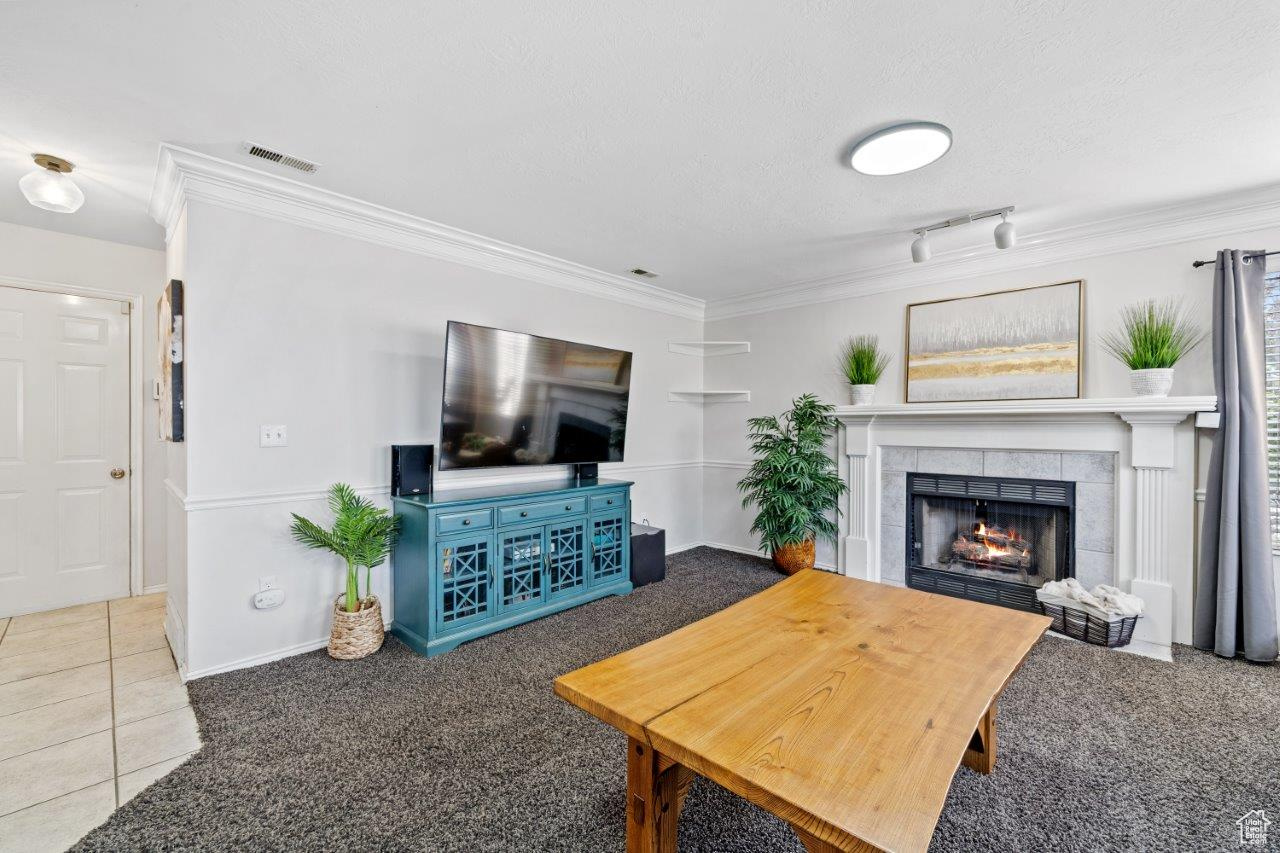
[(1012, 345), (170, 382)]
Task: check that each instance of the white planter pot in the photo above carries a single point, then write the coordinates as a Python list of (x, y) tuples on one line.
[(862, 395), (1155, 382)]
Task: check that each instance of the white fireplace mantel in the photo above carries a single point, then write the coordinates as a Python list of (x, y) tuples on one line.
[(1154, 481), (1183, 406)]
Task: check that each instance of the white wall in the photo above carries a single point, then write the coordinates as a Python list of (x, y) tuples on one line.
[(342, 341), (794, 350), (50, 257)]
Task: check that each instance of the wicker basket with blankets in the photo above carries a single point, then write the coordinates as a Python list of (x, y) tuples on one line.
[(1104, 615)]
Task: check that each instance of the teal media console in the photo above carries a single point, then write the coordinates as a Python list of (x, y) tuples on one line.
[(469, 562)]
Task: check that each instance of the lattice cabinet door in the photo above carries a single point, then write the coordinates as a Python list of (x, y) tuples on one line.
[(463, 581), (608, 541), (522, 568), (566, 558)]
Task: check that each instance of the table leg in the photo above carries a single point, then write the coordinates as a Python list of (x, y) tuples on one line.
[(981, 754), (656, 786)]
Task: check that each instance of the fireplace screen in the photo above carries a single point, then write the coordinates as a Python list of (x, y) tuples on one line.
[(988, 539)]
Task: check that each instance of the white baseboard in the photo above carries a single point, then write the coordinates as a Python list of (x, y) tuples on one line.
[(320, 643), (151, 590), (258, 660), (175, 632), (1147, 649), (739, 549)]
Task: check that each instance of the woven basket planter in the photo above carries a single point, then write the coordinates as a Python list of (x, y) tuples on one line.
[(794, 558), (862, 395), (359, 634), (1154, 382)]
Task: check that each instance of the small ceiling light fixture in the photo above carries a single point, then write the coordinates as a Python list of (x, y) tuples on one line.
[(900, 148), (920, 251), (1004, 234), (50, 187)]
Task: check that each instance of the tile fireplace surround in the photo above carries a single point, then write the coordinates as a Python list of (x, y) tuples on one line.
[(1133, 461)]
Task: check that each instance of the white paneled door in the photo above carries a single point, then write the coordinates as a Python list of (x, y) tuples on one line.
[(64, 450)]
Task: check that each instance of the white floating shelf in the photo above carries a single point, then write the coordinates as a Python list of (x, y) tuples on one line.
[(708, 396), (707, 349)]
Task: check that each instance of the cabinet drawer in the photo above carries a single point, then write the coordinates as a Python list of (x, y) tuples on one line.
[(540, 511), (604, 503), (458, 522)]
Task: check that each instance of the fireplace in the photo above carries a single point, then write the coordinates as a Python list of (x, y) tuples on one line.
[(990, 539)]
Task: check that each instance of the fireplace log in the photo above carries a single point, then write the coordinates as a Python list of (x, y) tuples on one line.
[(970, 551), (1000, 540)]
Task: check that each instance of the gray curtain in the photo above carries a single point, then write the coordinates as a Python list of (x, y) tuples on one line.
[(1235, 608)]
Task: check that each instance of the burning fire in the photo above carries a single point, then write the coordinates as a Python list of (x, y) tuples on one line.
[(1014, 543), (1002, 547)]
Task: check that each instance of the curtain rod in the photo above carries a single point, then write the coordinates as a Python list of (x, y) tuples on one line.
[(1198, 264)]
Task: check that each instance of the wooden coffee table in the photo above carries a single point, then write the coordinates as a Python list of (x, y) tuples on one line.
[(842, 706)]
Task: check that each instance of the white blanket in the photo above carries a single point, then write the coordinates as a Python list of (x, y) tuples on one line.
[(1106, 602)]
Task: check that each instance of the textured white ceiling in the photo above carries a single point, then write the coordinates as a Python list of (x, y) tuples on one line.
[(703, 140)]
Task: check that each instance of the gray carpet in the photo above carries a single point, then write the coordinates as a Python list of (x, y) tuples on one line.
[(471, 751)]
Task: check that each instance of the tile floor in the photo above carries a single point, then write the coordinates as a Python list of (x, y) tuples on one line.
[(91, 712)]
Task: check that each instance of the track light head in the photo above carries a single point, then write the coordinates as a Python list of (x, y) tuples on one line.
[(920, 250), (1006, 236)]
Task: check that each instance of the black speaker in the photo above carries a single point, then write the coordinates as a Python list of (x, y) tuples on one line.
[(648, 554), (411, 466)]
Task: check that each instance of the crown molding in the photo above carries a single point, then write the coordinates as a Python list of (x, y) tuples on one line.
[(1236, 213), (184, 175)]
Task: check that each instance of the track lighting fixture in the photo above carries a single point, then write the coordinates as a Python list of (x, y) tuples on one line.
[(1004, 234), (920, 251)]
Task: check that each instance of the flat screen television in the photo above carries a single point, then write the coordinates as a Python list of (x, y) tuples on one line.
[(517, 399)]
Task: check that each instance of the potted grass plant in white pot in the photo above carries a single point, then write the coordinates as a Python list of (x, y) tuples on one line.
[(862, 363), (362, 535), (1153, 336)]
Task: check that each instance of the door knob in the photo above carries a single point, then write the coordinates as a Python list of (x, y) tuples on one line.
[(117, 473)]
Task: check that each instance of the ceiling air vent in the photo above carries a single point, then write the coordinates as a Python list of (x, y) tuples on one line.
[(644, 273), (254, 150)]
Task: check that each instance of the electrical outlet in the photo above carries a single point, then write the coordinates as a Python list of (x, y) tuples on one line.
[(269, 599), (267, 582), (274, 435)]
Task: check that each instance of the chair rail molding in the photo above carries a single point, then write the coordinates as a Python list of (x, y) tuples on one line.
[(1154, 482), (1234, 213), (444, 480), (184, 175)]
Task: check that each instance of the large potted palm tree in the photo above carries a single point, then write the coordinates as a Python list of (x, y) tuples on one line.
[(794, 482), (362, 535)]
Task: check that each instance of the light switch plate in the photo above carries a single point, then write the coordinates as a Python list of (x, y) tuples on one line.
[(274, 435)]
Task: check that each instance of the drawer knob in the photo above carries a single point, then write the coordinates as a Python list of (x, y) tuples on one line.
[(569, 507), (466, 522), (609, 502), (524, 515)]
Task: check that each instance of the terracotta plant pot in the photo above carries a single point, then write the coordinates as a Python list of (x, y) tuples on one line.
[(1155, 382), (359, 634), (794, 558), (862, 395)]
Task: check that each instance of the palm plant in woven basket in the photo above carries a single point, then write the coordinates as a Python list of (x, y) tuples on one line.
[(362, 535), (793, 483)]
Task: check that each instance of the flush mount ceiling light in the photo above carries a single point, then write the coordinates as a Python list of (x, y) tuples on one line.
[(901, 148), (1005, 235), (50, 187)]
